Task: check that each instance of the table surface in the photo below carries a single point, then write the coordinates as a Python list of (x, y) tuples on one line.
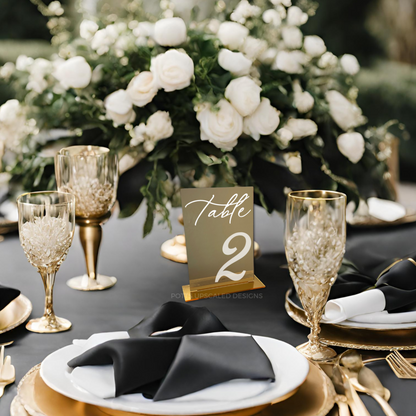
[(146, 280)]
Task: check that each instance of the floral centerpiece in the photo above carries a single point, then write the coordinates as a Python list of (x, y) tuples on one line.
[(238, 98)]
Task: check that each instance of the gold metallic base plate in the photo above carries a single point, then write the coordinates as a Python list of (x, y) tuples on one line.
[(361, 339), (223, 290), (315, 397), (43, 325), (86, 284)]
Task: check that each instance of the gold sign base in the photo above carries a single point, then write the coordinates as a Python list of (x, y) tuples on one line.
[(222, 290)]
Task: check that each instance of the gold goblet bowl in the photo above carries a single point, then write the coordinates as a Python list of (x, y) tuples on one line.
[(46, 230), (315, 243), (90, 173)]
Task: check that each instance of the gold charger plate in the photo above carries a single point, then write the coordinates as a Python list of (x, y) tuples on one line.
[(7, 226), (15, 313), (357, 338), (369, 222), (34, 398)]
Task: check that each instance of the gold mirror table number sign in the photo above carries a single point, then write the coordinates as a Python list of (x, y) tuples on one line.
[(219, 241), (315, 237), (90, 173), (46, 230)]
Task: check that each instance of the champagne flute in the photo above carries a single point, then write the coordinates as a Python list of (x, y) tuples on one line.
[(90, 173), (315, 244), (46, 230)]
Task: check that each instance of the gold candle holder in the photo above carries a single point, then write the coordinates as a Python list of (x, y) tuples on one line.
[(91, 174)]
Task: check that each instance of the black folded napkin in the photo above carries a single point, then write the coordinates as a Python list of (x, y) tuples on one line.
[(7, 294), (178, 363), (398, 283)]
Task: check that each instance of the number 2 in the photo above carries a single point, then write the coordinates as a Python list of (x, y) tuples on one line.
[(228, 251)]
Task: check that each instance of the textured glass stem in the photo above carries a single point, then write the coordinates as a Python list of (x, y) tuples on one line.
[(48, 283)]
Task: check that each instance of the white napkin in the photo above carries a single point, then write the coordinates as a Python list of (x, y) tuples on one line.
[(99, 379), (365, 307), (385, 210), (338, 310)]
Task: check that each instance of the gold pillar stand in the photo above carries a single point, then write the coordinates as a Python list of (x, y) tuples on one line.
[(90, 234)]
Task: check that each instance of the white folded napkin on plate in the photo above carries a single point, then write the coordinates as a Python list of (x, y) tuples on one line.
[(385, 210), (342, 309), (365, 307), (99, 379)]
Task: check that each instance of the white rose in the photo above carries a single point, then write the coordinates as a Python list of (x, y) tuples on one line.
[(10, 111), (272, 17), (304, 101), (102, 40), (144, 29), (351, 145), (173, 70), (235, 62), (214, 25), (142, 89), (301, 127), (327, 60), (232, 34), (289, 62), (263, 121), (74, 73), (7, 70), (253, 47), (346, 114), (349, 64), (244, 95), (159, 126), (292, 37), (223, 127), (119, 107), (23, 62), (293, 162), (88, 29), (314, 46), (268, 56), (284, 136), (170, 32), (296, 17)]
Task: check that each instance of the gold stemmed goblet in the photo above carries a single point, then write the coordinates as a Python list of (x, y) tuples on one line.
[(315, 244), (90, 173), (46, 230)]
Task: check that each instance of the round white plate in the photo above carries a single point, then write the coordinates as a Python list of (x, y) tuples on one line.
[(363, 325), (290, 367)]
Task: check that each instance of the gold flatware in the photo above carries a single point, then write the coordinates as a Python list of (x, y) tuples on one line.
[(7, 371), (365, 380), (340, 397), (401, 367)]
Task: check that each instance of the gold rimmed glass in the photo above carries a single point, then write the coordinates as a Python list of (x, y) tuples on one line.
[(90, 173), (315, 237), (46, 230)]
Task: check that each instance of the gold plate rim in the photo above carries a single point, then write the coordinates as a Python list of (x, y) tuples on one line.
[(327, 403), (295, 314), (372, 222), (26, 304)]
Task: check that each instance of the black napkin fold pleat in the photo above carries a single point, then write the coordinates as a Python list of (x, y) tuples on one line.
[(174, 364), (7, 295), (193, 320)]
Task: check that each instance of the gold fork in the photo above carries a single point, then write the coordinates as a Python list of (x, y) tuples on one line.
[(401, 367)]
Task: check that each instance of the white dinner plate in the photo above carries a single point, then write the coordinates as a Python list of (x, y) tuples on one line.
[(362, 325), (290, 367)]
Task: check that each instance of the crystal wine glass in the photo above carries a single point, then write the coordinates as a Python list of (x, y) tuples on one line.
[(90, 173), (315, 245), (46, 230)]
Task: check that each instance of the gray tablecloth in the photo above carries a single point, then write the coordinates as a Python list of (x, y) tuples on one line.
[(146, 280)]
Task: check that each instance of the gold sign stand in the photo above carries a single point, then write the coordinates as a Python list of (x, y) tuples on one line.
[(219, 291), (219, 241)]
